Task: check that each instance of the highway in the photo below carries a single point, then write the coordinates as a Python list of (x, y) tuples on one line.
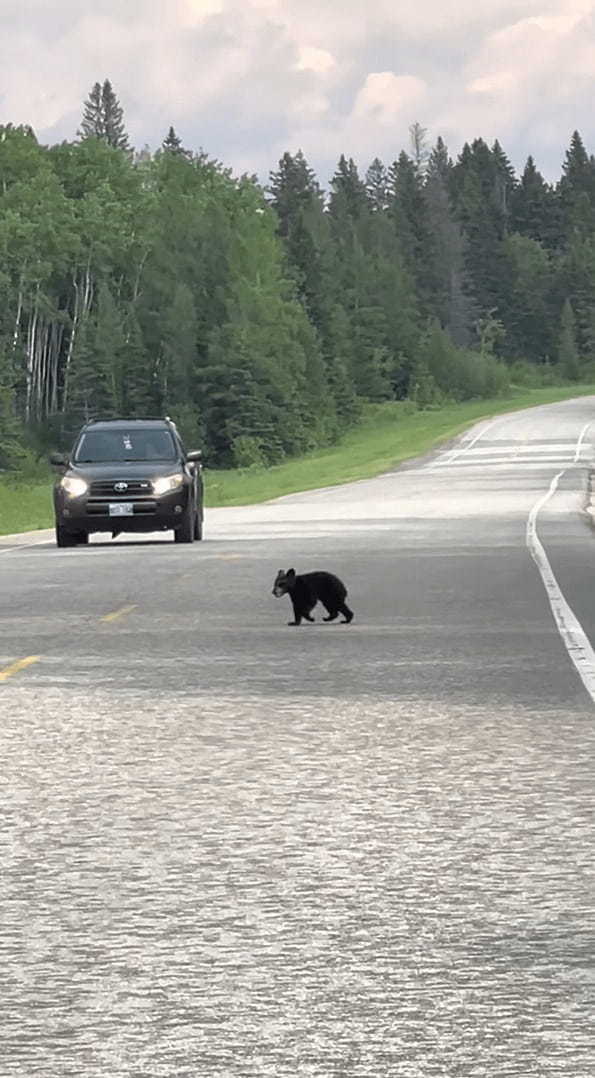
[(235, 848)]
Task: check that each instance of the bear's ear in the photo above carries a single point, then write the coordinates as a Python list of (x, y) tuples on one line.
[(290, 572)]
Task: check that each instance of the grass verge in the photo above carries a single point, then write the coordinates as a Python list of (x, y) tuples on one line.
[(388, 435), (25, 507)]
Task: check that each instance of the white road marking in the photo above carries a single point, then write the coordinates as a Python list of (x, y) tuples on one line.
[(23, 546), (511, 462), (579, 444), (537, 448), (573, 635), (464, 448)]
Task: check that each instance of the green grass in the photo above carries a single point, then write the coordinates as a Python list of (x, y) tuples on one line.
[(25, 507), (389, 434)]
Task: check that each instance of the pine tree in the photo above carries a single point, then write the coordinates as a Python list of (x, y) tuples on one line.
[(451, 303), (92, 124), (568, 357), (576, 282), (298, 205), (113, 118), (97, 375), (377, 186), (504, 182), (408, 210), (534, 208), (103, 117), (179, 350), (530, 333), (440, 163), (139, 385), (348, 198), (576, 190), (293, 187), (173, 144), (576, 170), (480, 182)]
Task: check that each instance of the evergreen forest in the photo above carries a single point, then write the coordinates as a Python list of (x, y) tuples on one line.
[(261, 318)]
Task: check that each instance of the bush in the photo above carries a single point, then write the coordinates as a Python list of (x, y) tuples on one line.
[(423, 389), (247, 452), (587, 372), (459, 374), (535, 375)]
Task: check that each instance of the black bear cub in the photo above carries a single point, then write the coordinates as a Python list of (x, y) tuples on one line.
[(306, 589)]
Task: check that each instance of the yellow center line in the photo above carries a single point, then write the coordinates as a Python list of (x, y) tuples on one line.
[(20, 664), (119, 613)]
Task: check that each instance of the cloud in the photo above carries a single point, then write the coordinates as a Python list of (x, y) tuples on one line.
[(312, 59), (248, 79), (385, 98), (527, 83)]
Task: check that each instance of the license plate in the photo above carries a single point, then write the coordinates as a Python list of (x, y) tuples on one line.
[(121, 509)]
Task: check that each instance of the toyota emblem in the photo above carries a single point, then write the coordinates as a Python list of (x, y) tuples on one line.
[(120, 487)]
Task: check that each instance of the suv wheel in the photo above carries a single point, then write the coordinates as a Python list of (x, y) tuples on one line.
[(185, 532)]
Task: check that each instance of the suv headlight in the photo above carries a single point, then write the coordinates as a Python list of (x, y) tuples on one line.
[(167, 483), (73, 486)]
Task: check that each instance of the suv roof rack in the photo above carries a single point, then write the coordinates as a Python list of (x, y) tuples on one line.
[(130, 419)]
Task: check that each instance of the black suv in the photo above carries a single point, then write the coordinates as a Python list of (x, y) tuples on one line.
[(128, 475)]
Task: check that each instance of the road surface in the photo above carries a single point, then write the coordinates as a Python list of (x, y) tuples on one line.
[(234, 848)]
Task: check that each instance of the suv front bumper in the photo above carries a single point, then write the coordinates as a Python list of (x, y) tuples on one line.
[(149, 514)]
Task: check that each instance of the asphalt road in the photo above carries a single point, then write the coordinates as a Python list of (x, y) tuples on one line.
[(233, 848)]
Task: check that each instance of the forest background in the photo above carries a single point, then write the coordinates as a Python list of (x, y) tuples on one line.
[(264, 319)]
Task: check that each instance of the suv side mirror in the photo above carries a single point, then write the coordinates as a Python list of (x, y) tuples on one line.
[(195, 457), (59, 460)]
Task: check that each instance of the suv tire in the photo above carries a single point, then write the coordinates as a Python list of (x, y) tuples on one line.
[(198, 526), (185, 532)]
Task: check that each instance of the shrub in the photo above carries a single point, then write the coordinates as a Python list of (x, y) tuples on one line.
[(247, 452), (459, 374)]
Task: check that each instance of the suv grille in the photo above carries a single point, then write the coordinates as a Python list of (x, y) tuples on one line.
[(135, 488)]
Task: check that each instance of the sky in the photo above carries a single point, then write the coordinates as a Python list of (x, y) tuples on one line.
[(247, 80)]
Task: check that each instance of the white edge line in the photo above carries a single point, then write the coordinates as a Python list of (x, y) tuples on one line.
[(466, 446), (573, 635), (506, 418), (24, 546), (579, 444)]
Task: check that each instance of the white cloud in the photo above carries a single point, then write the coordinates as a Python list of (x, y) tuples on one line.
[(528, 81), (312, 59), (194, 12), (385, 97), (248, 79)]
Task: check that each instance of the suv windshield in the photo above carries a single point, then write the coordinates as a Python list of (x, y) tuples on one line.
[(102, 446)]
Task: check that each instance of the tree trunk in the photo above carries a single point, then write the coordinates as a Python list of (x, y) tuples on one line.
[(83, 294)]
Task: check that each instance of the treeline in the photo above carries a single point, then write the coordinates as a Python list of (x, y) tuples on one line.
[(260, 319)]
